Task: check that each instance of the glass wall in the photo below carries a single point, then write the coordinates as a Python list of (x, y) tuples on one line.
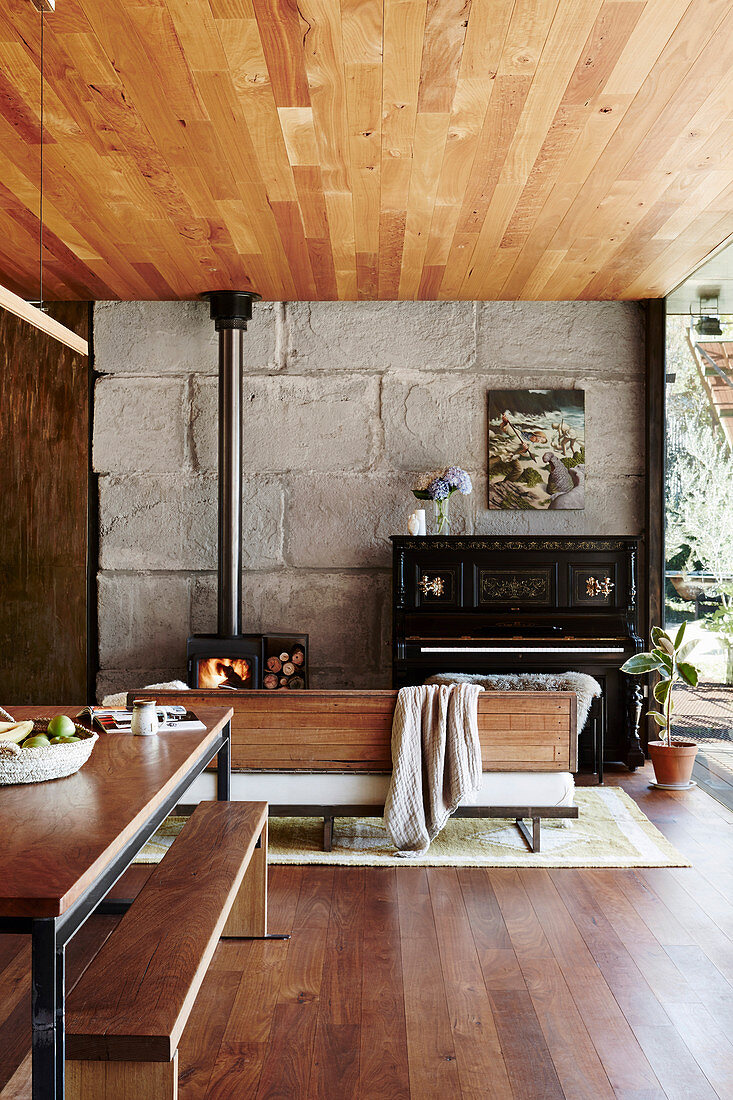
[(699, 487)]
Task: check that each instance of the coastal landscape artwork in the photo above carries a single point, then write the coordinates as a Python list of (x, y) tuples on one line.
[(536, 449)]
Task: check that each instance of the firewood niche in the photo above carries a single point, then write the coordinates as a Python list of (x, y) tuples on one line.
[(285, 669)]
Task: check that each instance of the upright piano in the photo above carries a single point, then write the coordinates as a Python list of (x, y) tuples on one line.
[(499, 604)]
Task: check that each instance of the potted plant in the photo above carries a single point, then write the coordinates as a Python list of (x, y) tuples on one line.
[(673, 761)]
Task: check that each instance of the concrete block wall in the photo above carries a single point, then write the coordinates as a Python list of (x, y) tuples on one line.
[(344, 403)]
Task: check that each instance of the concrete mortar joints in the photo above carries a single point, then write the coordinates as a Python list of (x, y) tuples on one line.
[(281, 335)]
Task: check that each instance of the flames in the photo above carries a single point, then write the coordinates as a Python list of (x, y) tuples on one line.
[(224, 672)]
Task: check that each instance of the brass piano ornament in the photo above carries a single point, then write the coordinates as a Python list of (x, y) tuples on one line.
[(432, 587), (595, 587)]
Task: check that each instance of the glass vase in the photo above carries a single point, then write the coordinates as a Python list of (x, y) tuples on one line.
[(441, 517)]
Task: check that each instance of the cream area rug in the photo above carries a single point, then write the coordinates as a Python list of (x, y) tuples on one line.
[(611, 831)]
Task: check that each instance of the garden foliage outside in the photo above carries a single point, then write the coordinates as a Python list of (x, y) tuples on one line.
[(699, 512)]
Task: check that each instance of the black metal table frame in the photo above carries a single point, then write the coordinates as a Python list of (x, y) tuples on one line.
[(50, 935)]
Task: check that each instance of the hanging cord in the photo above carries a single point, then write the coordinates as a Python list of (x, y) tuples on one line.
[(40, 193)]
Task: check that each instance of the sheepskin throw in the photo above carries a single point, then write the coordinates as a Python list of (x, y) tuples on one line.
[(436, 762), (585, 687), (120, 698)]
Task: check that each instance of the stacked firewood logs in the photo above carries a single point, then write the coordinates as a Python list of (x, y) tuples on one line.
[(285, 672)]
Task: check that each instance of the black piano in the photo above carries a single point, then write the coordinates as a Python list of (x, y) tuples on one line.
[(495, 604)]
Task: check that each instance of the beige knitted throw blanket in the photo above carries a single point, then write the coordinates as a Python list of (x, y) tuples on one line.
[(436, 762)]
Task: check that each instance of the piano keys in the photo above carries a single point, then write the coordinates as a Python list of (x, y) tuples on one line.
[(521, 649)]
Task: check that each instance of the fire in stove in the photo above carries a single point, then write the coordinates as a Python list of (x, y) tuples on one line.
[(224, 672)]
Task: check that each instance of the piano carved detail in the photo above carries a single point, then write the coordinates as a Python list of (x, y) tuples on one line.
[(434, 586), (594, 587), (501, 543), (515, 586)]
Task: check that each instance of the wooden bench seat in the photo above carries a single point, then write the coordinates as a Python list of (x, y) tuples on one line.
[(351, 731), (126, 1016)]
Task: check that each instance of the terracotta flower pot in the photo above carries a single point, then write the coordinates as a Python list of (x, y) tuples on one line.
[(673, 763)]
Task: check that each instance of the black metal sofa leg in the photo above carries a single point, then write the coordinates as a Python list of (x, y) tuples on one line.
[(532, 840)]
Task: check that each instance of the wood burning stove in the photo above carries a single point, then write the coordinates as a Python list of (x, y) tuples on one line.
[(270, 661), (230, 659), (215, 662)]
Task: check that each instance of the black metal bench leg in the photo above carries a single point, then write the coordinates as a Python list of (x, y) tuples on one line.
[(532, 840), (327, 834), (224, 767)]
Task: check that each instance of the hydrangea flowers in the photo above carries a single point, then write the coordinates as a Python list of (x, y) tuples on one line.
[(439, 487)]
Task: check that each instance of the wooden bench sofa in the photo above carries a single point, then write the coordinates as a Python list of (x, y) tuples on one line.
[(127, 1013), (344, 737)]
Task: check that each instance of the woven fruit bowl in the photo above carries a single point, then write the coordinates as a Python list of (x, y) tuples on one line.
[(36, 765)]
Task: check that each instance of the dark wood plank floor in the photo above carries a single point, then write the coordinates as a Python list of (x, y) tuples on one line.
[(525, 984)]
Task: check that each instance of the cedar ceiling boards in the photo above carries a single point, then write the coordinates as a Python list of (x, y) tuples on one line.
[(461, 149)]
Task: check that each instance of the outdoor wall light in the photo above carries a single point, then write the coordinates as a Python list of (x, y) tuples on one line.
[(708, 321)]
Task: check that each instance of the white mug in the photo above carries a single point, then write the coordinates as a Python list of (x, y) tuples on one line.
[(144, 717)]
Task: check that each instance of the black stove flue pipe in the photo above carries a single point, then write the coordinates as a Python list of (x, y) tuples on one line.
[(230, 310)]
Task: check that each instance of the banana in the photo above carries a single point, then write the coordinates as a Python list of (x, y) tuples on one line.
[(16, 732)]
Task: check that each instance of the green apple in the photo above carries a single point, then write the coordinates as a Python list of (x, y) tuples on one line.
[(39, 741), (61, 726), (64, 740)]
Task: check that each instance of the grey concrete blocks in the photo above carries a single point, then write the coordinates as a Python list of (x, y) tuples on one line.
[(342, 611), (110, 681), (294, 423), (587, 339), (346, 524), (337, 336), (139, 425), (614, 428), (170, 522), (153, 338), (433, 420), (143, 619), (344, 405)]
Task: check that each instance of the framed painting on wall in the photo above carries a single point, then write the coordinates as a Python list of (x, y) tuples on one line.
[(536, 449)]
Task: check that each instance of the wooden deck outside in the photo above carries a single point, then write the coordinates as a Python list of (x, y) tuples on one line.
[(704, 713), (532, 985), (714, 360)]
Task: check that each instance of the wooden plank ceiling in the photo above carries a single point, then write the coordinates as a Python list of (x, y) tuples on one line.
[(460, 149)]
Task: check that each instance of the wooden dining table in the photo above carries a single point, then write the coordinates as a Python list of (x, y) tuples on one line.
[(65, 842)]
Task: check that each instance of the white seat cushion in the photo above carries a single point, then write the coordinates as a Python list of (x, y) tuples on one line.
[(334, 789)]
